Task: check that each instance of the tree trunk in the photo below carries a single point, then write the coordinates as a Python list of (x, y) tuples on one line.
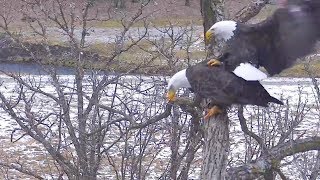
[(211, 11), (119, 4), (216, 135), (216, 147), (187, 3), (122, 4)]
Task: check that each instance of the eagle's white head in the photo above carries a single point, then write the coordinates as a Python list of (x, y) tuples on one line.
[(178, 80), (222, 30)]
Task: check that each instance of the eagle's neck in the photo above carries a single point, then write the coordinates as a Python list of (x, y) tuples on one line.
[(179, 80)]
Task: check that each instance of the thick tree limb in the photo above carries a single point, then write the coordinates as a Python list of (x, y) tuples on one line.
[(186, 104), (250, 11), (21, 169), (271, 160), (296, 146)]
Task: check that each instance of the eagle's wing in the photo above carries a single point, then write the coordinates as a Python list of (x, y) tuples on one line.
[(274, 43), (313, 7), (225, 88), (284, 37)]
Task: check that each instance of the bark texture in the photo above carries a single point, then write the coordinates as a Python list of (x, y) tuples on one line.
[(216, 147), (271, 160), (216, 135), (250, 11), (211, 11)]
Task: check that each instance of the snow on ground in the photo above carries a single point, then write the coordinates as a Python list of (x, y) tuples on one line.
[(282, 88)]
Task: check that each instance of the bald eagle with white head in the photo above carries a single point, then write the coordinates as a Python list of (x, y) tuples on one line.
[(223, 88), (275, 43)]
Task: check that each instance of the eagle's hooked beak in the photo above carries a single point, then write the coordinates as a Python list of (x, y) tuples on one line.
[(209, 35), (171, 95)]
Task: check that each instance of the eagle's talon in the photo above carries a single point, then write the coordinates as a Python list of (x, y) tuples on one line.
[(172, 99), (215, 110), (171, 95), (214, 62)]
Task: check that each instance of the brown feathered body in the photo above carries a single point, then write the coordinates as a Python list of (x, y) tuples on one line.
[(276, 42), (224, 88)]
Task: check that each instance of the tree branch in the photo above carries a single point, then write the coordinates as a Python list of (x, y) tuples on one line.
[(245, 129), (21, 169), (271, 160), (296, 146), (250, 11)]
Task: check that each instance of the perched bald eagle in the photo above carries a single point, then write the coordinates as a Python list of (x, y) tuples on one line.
[(274, 43), (223, 88)]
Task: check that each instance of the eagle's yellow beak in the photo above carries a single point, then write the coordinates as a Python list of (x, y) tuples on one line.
[(209, 35), (171, 95)]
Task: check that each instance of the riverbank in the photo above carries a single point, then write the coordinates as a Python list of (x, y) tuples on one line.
[(160, 48)]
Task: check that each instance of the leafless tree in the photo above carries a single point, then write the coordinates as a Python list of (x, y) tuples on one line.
[(93, 123), (266, 151)]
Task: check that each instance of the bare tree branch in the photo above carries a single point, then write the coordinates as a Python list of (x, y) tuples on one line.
[(20, 168), (274, 156), (250, 11), (245, 129)]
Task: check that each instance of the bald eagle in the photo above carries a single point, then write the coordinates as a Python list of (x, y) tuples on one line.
[(274, 43), (223, 88)]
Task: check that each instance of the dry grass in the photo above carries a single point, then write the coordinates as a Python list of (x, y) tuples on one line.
[(28, 153), (159, 22), (299, 70)]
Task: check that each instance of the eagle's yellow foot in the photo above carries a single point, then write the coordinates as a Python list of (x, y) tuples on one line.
[(214, 62), (215, 110), (171, 96), (171, 99)]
